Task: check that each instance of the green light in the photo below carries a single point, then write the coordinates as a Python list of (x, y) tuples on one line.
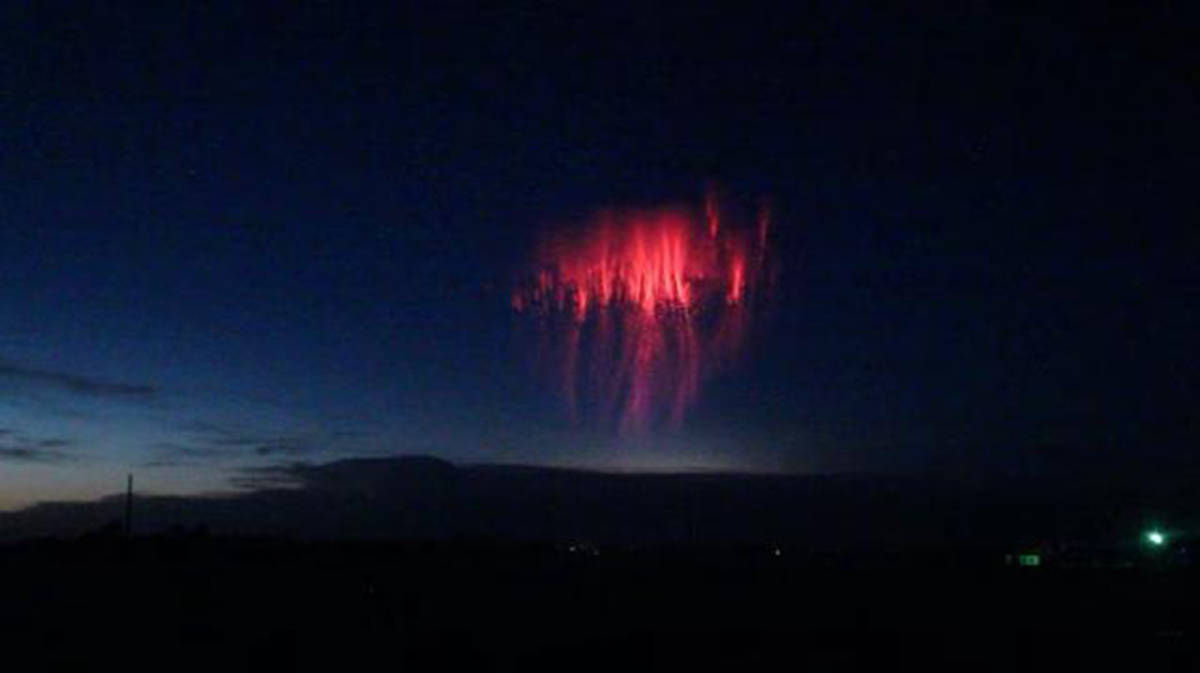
[(1156, 538)]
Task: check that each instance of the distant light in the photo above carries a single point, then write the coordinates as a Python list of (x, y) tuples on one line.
[(778, 551), (1156, 538), (1029, 560)]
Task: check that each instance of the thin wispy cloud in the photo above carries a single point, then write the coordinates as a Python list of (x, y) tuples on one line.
[(174, 450), (213, 443), (72, 383), (15, 447), (28, 455), (282, 448)]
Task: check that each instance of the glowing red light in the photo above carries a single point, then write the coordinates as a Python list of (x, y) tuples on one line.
[(639, 307)]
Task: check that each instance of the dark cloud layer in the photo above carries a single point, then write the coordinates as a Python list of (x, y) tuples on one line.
[(363, 475)]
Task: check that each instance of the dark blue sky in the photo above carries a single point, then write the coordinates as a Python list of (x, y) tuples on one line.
[(233, 238)]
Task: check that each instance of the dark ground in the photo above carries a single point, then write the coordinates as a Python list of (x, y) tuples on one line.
[(199, 603)]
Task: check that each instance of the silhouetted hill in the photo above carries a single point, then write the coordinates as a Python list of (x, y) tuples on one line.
[(415, 497)]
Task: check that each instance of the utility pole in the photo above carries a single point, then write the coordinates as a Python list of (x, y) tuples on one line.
[(129, 507)]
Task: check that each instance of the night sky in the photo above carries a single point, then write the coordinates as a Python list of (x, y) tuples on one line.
[(235, 238)]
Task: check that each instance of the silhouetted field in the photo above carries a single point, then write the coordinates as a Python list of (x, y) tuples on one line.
[(196, 603)]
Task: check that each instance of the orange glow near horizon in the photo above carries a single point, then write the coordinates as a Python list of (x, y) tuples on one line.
[(637, 308)]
